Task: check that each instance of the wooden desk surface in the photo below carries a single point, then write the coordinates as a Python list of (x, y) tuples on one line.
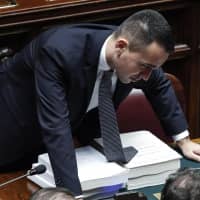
[(19, 190), (22, 189)]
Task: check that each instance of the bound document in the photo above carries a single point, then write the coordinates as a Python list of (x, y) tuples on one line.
[(95, 173), (154, 161)]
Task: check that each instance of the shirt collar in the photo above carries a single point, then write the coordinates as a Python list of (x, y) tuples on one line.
[(103, 65)]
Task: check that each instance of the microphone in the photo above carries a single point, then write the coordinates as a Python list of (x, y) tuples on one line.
[(36, 170)]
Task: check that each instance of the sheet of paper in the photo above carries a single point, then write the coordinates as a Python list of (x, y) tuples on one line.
[(150, 149)]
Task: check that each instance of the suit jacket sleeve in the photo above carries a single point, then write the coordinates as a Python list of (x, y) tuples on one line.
[(53, 114), (161, 95)]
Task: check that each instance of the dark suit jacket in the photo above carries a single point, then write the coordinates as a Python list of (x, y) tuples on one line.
[(51, 82)]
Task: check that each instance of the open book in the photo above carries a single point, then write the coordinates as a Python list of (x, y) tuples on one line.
[(152, 164)]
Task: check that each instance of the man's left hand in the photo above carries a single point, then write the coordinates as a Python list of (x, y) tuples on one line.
[(189, 149)]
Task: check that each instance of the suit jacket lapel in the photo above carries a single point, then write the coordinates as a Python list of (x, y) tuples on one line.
[(94, 45)]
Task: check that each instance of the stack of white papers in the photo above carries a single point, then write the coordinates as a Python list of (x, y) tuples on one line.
[(154, 161), (151, 166), (93, 170)]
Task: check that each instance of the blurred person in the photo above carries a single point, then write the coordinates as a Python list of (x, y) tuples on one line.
[(182, 185), (57, 193)]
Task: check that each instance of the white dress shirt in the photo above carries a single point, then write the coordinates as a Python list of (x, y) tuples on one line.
[(103, 66)]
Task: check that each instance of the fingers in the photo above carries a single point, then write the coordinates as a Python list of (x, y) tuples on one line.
[(194, 157), (197, 151), (191, 150)]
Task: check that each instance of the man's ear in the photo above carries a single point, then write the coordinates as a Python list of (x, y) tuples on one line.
[(121, 44)]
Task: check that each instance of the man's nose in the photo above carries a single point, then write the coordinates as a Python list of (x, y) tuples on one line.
[(146, 74)]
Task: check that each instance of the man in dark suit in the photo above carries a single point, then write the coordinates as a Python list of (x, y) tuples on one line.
[(48, 91)]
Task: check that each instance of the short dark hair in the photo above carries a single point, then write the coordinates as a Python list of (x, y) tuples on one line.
[(144, 27), (57, 193), (182, 185)]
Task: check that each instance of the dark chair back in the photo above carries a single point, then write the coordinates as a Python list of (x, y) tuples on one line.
[(136, 113)]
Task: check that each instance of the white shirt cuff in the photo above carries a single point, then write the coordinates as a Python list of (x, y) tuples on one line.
[(181, 135)]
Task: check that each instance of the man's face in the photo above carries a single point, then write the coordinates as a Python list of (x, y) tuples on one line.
[(134, 66)]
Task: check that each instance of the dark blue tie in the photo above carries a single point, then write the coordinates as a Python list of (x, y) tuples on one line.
[(113, 149)]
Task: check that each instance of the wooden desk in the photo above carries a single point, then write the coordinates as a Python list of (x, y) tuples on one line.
[(22, 189), (19, 190)]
